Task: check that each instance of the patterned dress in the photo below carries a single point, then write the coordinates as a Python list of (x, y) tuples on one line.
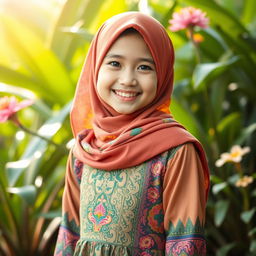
[(156, 208)]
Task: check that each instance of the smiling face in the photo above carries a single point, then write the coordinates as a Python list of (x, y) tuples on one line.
[(127, 79)]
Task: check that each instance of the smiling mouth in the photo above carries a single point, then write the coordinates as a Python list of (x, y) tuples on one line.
[(126, 95)]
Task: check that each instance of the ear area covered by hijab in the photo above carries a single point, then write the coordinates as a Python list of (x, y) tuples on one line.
[(108, 140)]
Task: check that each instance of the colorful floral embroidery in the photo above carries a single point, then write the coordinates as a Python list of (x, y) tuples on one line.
[(146, 242), (67, 238), (153, 194), (186, 240), (99, 217), (155, 219)]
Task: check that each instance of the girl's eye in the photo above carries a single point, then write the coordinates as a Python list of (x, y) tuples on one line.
[(114, 63), (145, 67)]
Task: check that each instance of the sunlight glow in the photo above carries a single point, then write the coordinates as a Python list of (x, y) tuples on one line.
[(20, 135), (38, 181), (49, 129), (19, 164), (37, 154), (70, 144)]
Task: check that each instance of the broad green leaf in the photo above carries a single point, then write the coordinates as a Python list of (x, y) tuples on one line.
[(246, 216), (186, 118), (40, 61), (28, 193), (204, 72), (228, 121), (73, 11), (221, 208), (228, 129), (249, 11), (32, 155)]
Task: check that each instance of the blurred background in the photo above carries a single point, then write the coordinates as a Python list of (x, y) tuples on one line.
[(43, 44)]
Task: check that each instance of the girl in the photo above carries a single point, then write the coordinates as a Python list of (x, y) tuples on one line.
[(137, 181)]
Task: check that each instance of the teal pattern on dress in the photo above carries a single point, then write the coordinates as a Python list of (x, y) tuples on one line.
[(109, 204)]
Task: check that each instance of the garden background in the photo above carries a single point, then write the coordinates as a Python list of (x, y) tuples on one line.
[(43, 44)]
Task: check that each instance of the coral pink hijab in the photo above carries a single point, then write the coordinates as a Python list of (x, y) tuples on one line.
[(109, 140)]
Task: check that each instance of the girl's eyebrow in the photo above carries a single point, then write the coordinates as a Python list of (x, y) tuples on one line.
[(150, 60)]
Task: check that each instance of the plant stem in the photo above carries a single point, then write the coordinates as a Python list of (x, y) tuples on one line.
[(191, 37), (17, 122)]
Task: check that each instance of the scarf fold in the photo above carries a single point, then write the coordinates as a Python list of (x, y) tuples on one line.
[(108, 140)]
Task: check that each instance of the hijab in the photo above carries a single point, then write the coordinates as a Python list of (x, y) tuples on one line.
[(108, 140)]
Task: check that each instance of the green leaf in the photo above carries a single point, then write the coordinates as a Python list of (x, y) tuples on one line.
[(32, 155), (223, 251), (204, 72), (38, 59), (28, 193), (186, 118), (219, 187), (229, 128), (252, 232), (83, 33), (253, 246), (246, 133), (221, 209), (51, 214), (246, 216), (249, 11)]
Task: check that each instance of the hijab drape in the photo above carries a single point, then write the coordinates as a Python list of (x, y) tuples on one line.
[(108, 140)]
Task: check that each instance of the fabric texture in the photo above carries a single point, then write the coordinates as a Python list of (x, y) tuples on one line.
[(136, 211), (108, 140)]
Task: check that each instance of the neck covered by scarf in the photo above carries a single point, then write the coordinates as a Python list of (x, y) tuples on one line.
[(108, 140)]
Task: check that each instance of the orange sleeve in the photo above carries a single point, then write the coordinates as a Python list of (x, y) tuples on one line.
[(69, 231), (184, 203)]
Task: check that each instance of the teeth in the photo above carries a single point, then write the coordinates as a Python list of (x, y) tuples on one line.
[(126, 94)]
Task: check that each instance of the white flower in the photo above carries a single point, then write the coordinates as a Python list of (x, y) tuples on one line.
[(235, 155), (244, 181)]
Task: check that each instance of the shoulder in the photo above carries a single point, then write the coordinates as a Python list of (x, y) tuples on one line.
[(183, 152)]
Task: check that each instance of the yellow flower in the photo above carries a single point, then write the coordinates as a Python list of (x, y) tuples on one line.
[(235, 155), (244, 181)]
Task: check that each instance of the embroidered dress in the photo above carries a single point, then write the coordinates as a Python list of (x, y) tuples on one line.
[(156, 208)]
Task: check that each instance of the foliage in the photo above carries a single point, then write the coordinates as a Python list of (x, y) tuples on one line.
[(41, 56)]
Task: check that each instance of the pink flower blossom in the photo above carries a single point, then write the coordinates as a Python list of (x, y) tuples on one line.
[(9, 106), (188, 17)]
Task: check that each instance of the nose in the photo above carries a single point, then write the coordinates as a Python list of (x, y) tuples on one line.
[(128, 77)]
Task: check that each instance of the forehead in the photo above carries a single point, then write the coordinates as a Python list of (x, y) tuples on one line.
[(130, 43)]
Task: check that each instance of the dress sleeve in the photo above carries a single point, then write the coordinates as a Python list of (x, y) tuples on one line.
[(69, 231), (184, 202)]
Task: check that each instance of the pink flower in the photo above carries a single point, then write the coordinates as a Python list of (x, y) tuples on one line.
[(9, 106), (188, 17)]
